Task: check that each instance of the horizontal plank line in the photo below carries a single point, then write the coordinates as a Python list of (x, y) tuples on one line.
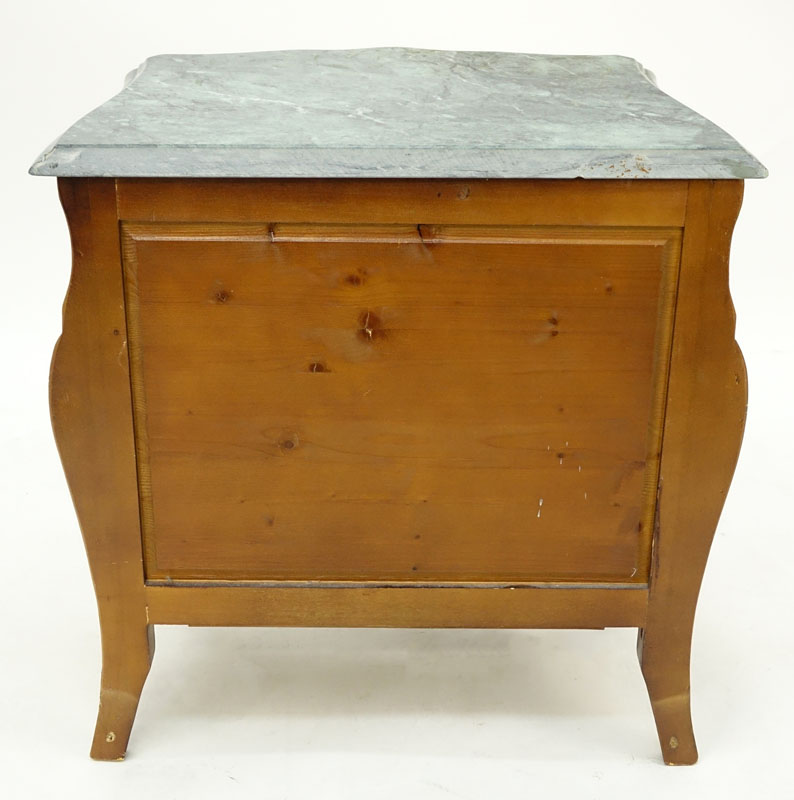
[(320, 584)]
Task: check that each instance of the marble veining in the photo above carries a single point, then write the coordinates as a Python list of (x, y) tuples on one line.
[(394, 112)]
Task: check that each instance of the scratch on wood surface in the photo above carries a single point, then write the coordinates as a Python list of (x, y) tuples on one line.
[(366, 328)]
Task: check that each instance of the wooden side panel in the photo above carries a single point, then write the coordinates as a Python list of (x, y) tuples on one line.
[(92, 421), (429, 403)]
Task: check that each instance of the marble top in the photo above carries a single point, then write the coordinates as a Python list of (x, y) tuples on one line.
[(395, 112)]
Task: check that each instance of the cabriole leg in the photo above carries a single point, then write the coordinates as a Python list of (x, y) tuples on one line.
[(704, 422), (91, 408)]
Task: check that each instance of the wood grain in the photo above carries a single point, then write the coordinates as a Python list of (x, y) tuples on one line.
[(429, 403)]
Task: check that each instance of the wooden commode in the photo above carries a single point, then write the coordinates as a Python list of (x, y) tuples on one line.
[(399, 338)]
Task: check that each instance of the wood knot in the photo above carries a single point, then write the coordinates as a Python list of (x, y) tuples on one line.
[(355, 279), (288, 442)]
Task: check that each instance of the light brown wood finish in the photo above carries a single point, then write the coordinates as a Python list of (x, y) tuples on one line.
[(92, 421), (181, 236), (702, 435)]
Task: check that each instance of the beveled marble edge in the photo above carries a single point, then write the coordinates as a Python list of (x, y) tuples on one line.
[(139, 161)]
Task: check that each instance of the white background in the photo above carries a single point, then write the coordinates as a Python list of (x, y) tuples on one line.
[(387, 714)]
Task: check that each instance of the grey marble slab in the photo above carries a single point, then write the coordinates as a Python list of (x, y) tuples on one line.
[(394, 113)]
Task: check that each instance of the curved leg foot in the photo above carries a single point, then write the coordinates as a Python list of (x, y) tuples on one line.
[(126, 659), (674, 726), (665, 668)]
